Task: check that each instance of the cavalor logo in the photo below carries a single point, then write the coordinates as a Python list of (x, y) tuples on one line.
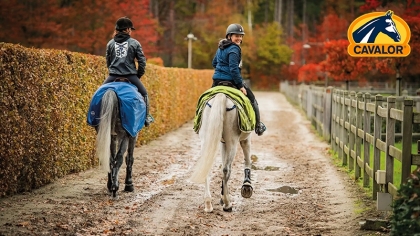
[(379, 34)]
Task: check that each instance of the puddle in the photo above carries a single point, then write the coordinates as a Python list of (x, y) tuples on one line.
[(267, 168), (271, 168), (284, 189), (254, 158), (268, 163)]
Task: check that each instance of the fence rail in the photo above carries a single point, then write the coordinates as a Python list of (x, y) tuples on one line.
[(356, 122)]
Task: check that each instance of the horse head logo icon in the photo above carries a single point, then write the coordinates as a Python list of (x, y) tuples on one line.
[(383, 24), (379, 34)]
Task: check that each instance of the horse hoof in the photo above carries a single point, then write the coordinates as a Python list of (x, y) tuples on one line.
[(129, 188), (246, 191), (113, 195), (208, 210), (229, 209)]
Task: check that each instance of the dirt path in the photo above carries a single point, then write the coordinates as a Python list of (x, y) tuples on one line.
[(288, 157)]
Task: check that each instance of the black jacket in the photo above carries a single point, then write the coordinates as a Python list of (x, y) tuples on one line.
[(120, 54)]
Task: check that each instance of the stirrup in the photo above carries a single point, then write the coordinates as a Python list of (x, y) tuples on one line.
[(260, 128), (149, 120)]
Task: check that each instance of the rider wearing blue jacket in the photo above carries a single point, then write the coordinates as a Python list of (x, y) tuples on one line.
[(228, 63), (121, 53)]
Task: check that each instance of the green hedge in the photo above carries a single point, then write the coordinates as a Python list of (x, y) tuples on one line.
[(44, 97)]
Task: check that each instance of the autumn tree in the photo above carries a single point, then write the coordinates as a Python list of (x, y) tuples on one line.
[(76, 25), (339, 64), (270, 53)]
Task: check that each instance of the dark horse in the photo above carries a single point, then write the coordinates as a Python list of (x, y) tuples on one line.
[(367, 33), (112, 141)]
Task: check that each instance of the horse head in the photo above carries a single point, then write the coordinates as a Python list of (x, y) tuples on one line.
[(390, 29), (368, 32)]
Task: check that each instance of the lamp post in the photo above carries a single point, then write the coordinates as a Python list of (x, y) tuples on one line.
[(190, 37)]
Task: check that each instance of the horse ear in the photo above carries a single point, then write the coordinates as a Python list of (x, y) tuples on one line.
[(389, 13)]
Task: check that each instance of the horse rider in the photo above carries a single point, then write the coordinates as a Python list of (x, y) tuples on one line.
[(228, 63), (121, 52)]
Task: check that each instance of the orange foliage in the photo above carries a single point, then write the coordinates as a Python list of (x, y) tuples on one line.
[(155, 61), (340, 65), (333, 27), (309, 73)]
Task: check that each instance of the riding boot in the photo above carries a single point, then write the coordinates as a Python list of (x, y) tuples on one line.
[(259, 126), (149, 118)]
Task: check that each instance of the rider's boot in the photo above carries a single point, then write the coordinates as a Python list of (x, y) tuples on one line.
[(259, 126), (149, 118)]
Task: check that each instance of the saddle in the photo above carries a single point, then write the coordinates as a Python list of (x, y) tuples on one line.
[(122, 79), (246, 114), (226, 83)]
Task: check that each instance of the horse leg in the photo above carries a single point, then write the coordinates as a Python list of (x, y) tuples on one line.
[(116, 163), (112, 157), (246, 190), (228, 153), (208, 207), (129, 160)]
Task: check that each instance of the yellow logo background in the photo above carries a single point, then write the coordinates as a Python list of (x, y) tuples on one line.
[(381, 39)]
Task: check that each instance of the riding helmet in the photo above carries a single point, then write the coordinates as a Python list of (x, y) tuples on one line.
[(235, 29), (124, 23)]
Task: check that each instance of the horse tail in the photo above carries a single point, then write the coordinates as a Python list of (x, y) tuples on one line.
[(103, 137), (212, 133)]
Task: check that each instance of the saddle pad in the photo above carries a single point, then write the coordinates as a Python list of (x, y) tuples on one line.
[(132, 106), (246, 114)]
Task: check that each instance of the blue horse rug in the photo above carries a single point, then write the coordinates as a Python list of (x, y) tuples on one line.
[(132, 106)]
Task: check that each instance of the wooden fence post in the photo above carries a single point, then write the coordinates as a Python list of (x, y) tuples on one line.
[(418, 103), (358, 138), (407, 128), (377, 128), (352, 136), (340, 124), (366, 146), (390, 140), (340, 101), (345, 115), (309, 102), (327, 113), (334, 121)]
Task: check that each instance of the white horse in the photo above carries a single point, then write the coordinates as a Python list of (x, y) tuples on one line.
[(220, 123)]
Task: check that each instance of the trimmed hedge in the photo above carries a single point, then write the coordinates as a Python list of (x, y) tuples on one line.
[(44, 97)]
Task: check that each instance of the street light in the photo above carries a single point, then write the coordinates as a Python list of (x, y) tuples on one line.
[(190, 37)]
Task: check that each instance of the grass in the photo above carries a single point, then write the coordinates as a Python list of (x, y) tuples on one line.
[(397, 165)]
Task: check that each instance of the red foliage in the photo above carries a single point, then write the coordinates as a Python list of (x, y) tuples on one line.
[(340, 65), (370, 5), (83, 25), (333, 27), (310, 72)]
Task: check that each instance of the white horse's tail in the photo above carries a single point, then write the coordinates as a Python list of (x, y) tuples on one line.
[(103, 137), (212, 128)]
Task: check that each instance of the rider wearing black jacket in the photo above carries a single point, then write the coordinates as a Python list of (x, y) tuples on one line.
[(121, 52)]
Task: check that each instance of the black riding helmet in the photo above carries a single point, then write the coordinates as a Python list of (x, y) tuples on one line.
[(124, 23), (234, 29)]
